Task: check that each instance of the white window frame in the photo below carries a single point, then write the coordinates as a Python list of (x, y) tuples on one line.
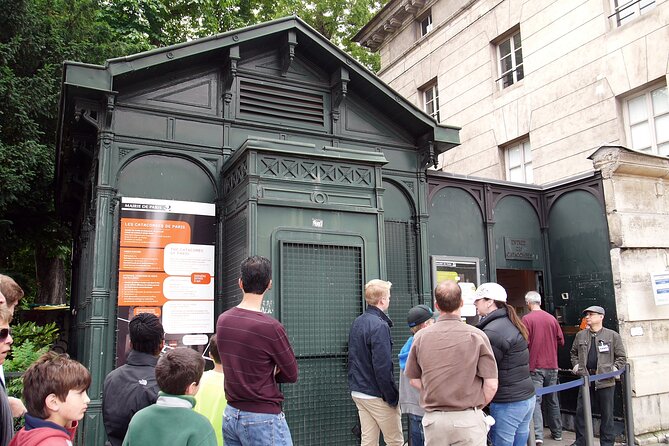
[(652, 116), (624, 11), (433, 90), (524, 165), (427, 19), (515, 66)]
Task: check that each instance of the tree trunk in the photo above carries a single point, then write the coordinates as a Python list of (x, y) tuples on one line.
[(50, 279)]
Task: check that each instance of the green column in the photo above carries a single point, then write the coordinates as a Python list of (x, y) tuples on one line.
[(97, 348)]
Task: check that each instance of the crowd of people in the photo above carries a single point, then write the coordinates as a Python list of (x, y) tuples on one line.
[(458, 383)]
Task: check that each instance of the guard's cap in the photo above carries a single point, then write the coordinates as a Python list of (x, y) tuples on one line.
[(418, 315), (594, 309)]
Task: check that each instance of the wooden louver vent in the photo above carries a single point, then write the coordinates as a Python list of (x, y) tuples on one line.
[(280, 103)]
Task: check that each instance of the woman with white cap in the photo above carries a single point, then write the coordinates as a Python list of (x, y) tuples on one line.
[(513, 404)]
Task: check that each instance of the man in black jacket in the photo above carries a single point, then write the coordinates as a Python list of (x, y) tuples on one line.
[(133, 386), (370, 369), (597, 350)]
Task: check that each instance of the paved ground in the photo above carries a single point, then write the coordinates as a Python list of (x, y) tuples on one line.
[(567, 439)]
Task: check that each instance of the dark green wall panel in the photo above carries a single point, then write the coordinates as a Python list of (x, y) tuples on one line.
[(166, 177), (579, 256), (516, 218), (455, 226)]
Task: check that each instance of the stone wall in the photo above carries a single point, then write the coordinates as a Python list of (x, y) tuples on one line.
[(578, 68), (636, 189)]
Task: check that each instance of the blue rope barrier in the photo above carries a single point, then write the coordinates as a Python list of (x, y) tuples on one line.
[(559, 387), (577, 382)]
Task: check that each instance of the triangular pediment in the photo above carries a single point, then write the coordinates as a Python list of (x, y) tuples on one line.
[(362, 120), (195, 94), (271, 63)]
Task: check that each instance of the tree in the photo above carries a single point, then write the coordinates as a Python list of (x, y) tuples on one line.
[(36, 36), (166, 22)]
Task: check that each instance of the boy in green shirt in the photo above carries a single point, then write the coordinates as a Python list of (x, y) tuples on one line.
[(172, 419)]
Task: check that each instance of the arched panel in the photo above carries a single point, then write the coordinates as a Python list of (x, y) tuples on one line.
[(166, 177), (518, 243), (579, 256), (455, 227), (401, 259)]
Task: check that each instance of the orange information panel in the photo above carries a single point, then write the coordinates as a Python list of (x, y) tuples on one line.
[(141, 288), (141, 259), (166, 267), (153, 233)]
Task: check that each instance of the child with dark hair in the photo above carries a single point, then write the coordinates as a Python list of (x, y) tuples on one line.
[(211, 396), (171, 420), (55, 391), (131, 387)]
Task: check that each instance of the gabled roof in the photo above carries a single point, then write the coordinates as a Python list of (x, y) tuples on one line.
[(103, 79)]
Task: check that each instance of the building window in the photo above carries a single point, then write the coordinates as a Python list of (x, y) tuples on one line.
[(431, 100), (647, 119), (426, 24), (510, 56), (627, 10), (518, 159)]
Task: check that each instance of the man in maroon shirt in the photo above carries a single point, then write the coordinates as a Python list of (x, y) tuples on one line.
[(256, 355), (544, 337)]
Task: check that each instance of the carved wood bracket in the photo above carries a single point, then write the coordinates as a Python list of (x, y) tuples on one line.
[(288, 52)]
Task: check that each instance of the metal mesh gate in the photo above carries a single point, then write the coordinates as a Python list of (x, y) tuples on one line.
[(401, 267), (321, 295)]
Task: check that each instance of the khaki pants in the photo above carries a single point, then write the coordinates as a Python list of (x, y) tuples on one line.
[(377, 416), (464, 428)]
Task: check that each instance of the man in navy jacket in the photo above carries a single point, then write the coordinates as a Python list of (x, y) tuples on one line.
[(370, 369)]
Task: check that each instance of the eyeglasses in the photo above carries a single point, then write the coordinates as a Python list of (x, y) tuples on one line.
[(5, 333)]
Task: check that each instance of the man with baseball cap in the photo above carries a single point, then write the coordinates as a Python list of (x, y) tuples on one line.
[(597, 350), (419, 317)]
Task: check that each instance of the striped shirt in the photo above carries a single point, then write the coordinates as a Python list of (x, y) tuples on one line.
[(252, 346)]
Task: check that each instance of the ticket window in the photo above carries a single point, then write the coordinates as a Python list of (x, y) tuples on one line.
[(465, 271), (517, 282)]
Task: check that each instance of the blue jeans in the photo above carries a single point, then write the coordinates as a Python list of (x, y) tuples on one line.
[(512, 422), (416, 430), (544, 378), (242, 428)]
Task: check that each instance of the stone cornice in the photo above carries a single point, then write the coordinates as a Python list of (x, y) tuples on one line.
[(620, 160), (387, 21)]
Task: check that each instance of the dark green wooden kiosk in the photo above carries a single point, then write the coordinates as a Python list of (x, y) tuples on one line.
[(311, 161)]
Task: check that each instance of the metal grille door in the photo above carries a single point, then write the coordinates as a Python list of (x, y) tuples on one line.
[(321, 295), (401, 267)]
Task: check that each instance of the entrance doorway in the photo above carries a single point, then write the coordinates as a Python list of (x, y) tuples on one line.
[(517, 282)]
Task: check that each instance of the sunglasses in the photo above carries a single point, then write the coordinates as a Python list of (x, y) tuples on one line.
[(5, 333)]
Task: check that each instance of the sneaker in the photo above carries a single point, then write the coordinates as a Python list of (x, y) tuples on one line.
[(557, 437), (540, 443)]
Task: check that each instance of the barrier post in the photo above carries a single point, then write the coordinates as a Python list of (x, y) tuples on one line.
[(587, 412), (629, 416)]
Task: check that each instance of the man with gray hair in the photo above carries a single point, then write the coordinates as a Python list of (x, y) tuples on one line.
[(544, 338)]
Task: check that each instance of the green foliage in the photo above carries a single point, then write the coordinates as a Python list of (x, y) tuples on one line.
[(30, 342), (23, 355), (39, 335), (36, 36)]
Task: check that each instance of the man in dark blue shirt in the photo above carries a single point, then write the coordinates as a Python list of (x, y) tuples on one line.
[(370, 369)]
